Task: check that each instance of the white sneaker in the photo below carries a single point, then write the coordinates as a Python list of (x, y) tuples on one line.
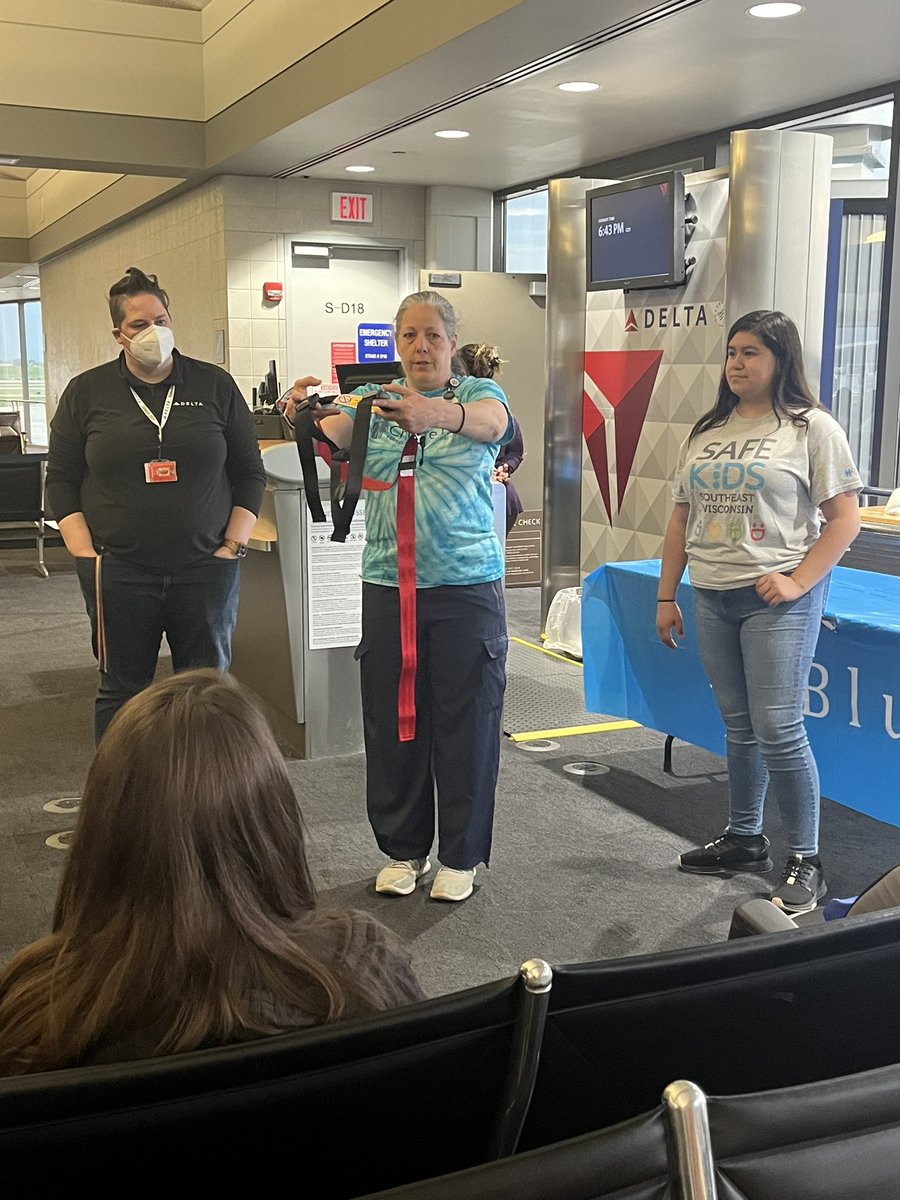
[(399, 878), (453, 885)]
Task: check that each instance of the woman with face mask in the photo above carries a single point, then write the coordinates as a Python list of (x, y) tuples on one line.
[(155, 478)]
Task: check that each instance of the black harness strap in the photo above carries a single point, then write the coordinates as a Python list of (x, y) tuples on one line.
[(344, 492), (305, 430)]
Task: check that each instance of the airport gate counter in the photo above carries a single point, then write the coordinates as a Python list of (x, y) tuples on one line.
[(852, 718), (298, 621)]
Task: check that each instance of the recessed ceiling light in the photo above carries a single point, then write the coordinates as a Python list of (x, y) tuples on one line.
[(451, 133), (578, 86), (360, 169), (774, 11)]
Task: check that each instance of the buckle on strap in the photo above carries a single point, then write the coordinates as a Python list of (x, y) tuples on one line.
[(412, 455)]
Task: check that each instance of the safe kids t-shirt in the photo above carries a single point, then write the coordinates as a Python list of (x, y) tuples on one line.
[(754, 488)]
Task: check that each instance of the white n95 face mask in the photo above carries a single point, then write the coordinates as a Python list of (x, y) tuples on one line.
[(153, 346)]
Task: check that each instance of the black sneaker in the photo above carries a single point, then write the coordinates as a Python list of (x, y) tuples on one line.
[(802, 885), (729, 853)]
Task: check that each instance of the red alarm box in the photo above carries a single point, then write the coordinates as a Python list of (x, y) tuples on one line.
[(273, 292)]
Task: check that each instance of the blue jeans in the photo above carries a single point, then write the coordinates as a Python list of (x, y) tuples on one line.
[(131, 608), (757, 659)]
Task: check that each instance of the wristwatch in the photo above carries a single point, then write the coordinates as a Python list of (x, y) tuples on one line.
[(238, 549)]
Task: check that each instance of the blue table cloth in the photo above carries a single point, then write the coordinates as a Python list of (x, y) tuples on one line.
[(852, 717)]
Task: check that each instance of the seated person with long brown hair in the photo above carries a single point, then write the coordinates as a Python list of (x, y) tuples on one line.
[(186, 914)]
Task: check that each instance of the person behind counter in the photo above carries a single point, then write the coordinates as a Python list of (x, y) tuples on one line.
[(457, 427), (186, 915), (155, 478), (751, 479), (484, 361)]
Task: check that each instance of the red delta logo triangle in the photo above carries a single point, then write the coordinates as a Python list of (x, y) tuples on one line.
[(630, 322), (626, 379)]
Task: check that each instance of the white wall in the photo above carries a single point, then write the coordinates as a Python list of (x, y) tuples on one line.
[(212, 249), (260, 216), (182, 242), (459, 229)]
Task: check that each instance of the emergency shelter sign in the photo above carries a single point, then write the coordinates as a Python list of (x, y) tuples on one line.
[(375, 343)]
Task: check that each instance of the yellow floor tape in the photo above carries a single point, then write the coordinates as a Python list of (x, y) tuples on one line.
[(573, 662), (548, 734)]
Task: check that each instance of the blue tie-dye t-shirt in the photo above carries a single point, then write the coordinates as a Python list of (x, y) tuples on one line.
[(455, 538)]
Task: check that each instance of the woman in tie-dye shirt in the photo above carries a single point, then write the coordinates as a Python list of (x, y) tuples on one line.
[(461, 641)]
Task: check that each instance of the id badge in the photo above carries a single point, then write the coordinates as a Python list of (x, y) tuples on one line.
[(160, 470)]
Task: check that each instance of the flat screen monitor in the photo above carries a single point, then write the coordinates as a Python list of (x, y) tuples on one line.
[(635, 233), (354, 375)]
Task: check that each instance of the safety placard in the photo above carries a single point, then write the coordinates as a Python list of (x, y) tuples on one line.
[(341, 352), (333, 584)]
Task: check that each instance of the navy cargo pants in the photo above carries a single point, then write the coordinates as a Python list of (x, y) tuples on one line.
[(455, 756)]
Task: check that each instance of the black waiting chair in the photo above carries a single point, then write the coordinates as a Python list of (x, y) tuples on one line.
[(375, 1102), (664, 1154), (631, 1159), (12, 439), (22, 514), (837, 1139), (762, 916), (739, 1016)]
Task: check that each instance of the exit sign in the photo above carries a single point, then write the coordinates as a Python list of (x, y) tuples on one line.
[(348, 206)]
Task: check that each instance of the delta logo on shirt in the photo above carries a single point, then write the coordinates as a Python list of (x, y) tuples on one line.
[(618, 385)]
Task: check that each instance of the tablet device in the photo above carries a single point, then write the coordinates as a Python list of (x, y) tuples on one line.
[(354, 375)]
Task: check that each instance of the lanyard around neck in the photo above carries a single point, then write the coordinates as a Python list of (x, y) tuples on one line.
[(167, 408)]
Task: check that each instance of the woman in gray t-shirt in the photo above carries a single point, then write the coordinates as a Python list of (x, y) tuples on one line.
[(754, 478)]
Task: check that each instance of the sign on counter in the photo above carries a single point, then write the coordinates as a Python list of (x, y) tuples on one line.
[(523, 550), (333, 585)]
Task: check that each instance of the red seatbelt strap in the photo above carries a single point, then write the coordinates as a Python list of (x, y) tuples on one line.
[(406, 578)]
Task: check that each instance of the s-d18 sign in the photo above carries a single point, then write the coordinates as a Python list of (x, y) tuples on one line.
[(349, 206)]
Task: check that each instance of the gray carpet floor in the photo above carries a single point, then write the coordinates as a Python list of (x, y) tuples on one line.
[(583, 866)]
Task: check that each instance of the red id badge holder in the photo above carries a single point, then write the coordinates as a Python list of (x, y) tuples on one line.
[(160, 470)]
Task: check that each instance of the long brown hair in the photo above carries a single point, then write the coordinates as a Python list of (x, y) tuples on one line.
[(186, 891), (792, 396)]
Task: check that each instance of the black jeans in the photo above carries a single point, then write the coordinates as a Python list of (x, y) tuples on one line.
[(460, 681), (131, 608)]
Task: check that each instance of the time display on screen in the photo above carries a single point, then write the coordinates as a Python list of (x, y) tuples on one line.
[(632, 231), (631, 234)]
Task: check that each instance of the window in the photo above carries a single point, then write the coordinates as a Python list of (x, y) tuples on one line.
[(22, 366), (862, 142), (525, 233), (857, 332)]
